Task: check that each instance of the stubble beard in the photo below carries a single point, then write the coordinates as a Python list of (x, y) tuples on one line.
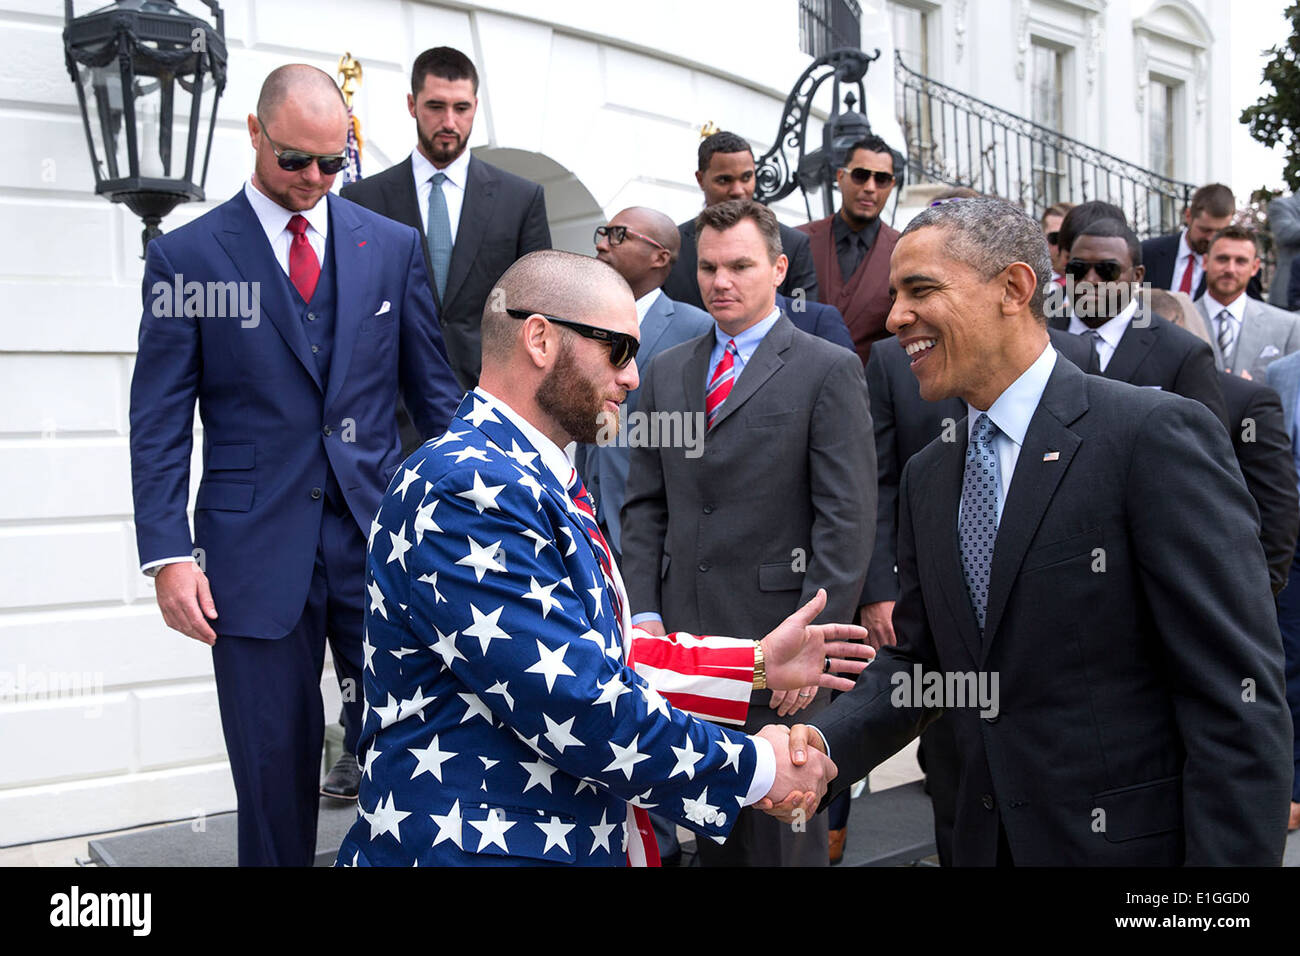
[(573, 401)]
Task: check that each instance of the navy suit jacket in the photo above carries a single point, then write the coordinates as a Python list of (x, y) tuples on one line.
[(819, 319), (604, 467), (271, 426)]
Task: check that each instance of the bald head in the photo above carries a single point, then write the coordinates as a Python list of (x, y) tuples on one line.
[(310, 91), (655, 225)]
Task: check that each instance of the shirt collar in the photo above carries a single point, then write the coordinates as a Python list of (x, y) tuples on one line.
[(274, 218), (1236, 308), (1014, 408), (553, 456), (1112, 330), (456, 171), (1184, 250), (842, 230), (644, 303), (748, 340)]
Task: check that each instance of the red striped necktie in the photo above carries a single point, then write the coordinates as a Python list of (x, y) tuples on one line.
[(724, 377)]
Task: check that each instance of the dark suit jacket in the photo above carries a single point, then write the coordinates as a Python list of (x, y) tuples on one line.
[(864, 299), (905, 423), (604, 467), (682, 284), (816, 318), (1262, 440), (1160, 256), (502, 219), (1125, 730), (265, 409), (1163, 355)]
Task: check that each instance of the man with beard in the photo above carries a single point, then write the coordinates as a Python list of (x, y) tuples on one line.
[(1177, 261), (508, 720), (475, 219)]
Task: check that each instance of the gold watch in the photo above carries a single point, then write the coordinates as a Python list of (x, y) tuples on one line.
[(760, 667)]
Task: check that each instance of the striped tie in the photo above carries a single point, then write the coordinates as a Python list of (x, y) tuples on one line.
[(582, 501), (724, 376), (1227, 332)]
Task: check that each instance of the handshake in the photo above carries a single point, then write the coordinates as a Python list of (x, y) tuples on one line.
[(803, 772)]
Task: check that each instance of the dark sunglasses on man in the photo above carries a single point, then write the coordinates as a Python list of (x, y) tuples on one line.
[(1108, 270), (622, 347), (616, 235), (860, 175), (293, 160)]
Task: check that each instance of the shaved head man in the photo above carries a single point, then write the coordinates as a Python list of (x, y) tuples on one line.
[(300, 111)]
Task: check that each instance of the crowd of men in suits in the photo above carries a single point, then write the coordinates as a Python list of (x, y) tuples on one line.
[(528, 640)]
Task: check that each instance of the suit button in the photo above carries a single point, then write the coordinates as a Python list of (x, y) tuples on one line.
[(315, 348), (328, 431), (311, 316), (704, 565), (315, 493), (708, 509), (987, 800)]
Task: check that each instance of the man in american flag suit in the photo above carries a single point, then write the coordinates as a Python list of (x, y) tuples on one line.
[(510, 717)]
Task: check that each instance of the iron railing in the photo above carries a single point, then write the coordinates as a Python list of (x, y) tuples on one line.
[(826, 25), (955, 138)]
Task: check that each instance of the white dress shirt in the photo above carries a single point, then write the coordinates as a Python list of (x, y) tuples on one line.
[(561, 466), (1186, 259), (644, 303), (274, 220), (453, 187), (1110, 331)]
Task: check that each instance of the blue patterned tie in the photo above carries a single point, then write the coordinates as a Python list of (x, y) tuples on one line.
[(978, 526), (439, 234)]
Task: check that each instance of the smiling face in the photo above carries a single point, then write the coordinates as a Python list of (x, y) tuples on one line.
[(738, 281), (861, 204), (444, 117), (729, 176)]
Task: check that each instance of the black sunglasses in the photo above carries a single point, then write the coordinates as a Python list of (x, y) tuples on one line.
[(1107, 270), (861, 174), (622, 347), (293, 160), (616, 235)]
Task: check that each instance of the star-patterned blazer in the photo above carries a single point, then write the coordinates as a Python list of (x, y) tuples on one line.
[(503, 724)]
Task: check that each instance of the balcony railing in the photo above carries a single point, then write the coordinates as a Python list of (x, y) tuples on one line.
[(955, 138)]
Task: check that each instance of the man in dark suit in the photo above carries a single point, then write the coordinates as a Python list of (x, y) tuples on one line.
[(1177, 261), (298, 401), (780, 502), (851, 248), (475, 219), (1063, 564), (1133, 345), (641, 245), (726, 171), (904, 423)]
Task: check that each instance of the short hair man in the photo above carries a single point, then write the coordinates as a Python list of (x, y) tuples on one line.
[(1094, 546), (1132, 344), (505, 722), (1246, 334), (475, 219), (1177, 261), (1051, 221), (851, 248), (726, 171), (780, 503)]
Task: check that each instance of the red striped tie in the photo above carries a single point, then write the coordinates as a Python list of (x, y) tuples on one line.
[(724, 376), (304, 267)]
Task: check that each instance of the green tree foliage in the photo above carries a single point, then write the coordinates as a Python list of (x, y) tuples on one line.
[(1275, 117)]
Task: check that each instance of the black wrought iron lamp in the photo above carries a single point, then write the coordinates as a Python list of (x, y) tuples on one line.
[(154, 74)]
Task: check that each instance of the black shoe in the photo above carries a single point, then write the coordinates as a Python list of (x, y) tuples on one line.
[(344, 778)]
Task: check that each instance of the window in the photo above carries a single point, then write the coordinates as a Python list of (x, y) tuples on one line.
[(910, 28), (1160, 126), (826, 25), (1047, 97)]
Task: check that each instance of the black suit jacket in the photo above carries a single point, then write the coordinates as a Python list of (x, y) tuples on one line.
[(1262, 441), (502, 219), (905, 423), (1140, 709), (1160, 256), (1161, 354), (815, 318), (683, 286)]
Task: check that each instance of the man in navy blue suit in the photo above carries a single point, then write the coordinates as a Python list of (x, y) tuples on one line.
[(298, 396)]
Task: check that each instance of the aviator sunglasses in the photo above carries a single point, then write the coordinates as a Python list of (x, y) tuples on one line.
[(1107, 271), (860, 175), (622, 347), (293, 160)]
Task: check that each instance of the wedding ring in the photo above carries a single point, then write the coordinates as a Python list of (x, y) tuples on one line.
[(804, 693)]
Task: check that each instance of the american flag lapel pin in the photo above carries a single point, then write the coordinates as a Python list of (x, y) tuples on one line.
[(1052, 456)]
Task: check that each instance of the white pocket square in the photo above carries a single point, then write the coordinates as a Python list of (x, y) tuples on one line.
[(384, 308), (1270, 351)]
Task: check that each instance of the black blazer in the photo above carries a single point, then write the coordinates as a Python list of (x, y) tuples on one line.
[(502, 219), (1128, 606), (683, 286), (816, 318), (1163, 355), (1160, 256), (1262, 441), (905, 423)]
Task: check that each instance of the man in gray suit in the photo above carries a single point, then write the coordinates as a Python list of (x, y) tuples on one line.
[(780, 502), (641, 244), (1284, 223), (1246, 335)]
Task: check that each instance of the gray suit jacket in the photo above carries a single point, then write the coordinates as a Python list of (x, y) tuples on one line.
[(1284, 378), (1267, 333), (781, 502), (604, 467), (1284, 223)]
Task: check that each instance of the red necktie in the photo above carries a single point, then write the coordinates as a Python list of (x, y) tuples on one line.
[(304, 268), (724, 376), (1186, 284)]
